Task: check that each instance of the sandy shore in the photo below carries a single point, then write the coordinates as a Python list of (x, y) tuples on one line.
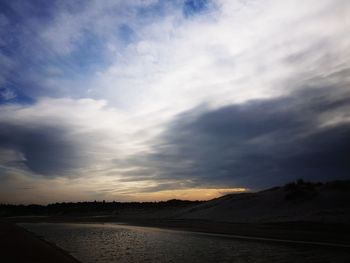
[(19, 246)]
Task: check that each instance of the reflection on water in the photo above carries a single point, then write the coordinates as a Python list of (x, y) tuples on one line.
[(114, 243)]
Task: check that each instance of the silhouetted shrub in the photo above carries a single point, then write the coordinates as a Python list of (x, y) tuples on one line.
[(301, 190), (300, 181), (339, 185), (89, 208), (290, 186)]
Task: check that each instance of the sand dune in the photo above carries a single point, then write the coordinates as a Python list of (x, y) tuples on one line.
[(328, 203)]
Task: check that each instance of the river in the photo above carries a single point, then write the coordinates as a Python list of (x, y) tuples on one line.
[(118, 243)]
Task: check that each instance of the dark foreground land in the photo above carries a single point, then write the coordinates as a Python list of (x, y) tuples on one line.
[(17, 246), (300, 214)]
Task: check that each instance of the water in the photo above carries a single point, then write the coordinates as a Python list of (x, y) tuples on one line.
[(115, 243)]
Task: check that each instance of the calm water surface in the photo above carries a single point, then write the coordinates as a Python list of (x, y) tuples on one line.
[(113, 243)]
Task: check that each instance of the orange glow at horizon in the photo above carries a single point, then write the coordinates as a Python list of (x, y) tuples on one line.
[(187, 194)]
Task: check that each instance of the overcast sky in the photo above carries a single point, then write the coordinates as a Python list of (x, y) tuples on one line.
[(152, 100)]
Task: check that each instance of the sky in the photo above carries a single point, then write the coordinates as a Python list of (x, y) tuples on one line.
[(147, 100)]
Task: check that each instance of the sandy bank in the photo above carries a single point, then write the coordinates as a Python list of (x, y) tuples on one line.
[(17, 246)]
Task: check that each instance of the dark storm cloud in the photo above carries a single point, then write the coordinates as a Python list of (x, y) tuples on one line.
[(43, 150), (259, 143)]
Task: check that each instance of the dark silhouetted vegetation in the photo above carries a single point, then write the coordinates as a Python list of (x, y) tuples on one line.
[(89, 208), (301, 190)]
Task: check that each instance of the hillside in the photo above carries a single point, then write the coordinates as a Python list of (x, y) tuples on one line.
[(328, 203)]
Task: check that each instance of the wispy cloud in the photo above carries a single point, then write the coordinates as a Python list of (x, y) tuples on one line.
[(158, 95)]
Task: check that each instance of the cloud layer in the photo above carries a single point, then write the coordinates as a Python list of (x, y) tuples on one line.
[(119, 99), (259, 143)]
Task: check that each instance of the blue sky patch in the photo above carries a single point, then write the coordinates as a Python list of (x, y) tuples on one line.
[(193, 7)]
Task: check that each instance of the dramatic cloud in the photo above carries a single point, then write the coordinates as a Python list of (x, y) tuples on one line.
[(133, 99), (259, 143), (62, 136), (43, 150)]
